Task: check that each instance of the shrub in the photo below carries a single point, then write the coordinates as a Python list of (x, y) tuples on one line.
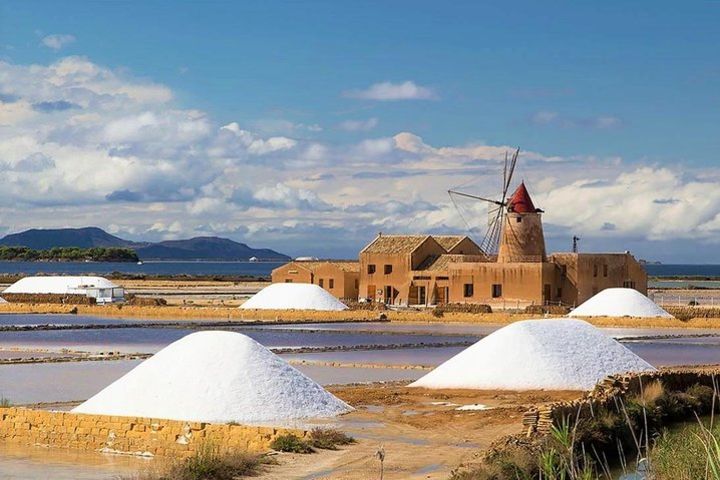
[(291, 443), (328, 438), (4, 402), (209, 464)]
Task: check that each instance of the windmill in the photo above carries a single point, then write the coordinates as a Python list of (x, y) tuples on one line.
[(496, 208)]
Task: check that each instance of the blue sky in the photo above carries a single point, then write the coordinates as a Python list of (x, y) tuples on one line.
[(597, 90)]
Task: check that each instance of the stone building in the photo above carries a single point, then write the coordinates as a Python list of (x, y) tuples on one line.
[(437, 269), (339, 277)]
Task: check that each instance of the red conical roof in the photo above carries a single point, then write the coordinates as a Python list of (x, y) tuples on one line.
[(520, 202)]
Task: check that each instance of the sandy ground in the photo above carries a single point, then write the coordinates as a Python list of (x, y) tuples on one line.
[(421, 432)]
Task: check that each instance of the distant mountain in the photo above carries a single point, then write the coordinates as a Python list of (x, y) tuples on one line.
[(206, 248), (199, 248), (43, 239)]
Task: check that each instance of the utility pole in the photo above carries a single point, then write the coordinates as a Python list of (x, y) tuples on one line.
[(576, 239)]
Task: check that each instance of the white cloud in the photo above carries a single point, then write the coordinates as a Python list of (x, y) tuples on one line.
[(358, 125), (57, 41), (94, 146), (388, 91)]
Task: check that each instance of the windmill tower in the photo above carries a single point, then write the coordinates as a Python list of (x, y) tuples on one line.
[(522, 238), (514, 233)]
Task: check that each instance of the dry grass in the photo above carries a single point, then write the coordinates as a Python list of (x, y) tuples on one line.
[(172, 312)]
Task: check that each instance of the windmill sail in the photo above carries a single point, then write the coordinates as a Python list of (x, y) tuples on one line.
[(495, 208)]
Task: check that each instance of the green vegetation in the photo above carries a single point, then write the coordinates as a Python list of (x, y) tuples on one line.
[(585, 447), (291, 443), (4, 402), (209, 464), (329, 438), (69, 254)]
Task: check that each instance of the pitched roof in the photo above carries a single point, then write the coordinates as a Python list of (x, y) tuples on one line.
[(448, 241), (343, 265), (395, 243), (440, 262), (520, 202)]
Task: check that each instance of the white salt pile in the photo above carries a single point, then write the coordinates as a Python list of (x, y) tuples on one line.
[(215, 377), (559, 354), (619, 302), (293, 296)]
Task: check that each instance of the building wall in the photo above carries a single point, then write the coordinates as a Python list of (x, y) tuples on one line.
[(585, 274), (466, 247), (519, 283), (377, 285), (130, 435), (340, 283), (291, 272)]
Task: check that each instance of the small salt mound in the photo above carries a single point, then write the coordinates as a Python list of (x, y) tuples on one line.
[(619, 302), (218, 377), (293, 296), (557, 354)]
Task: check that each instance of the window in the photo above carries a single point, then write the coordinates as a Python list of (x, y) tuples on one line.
[(371, 269), (388, 269), (496, 290), (321, 282), (468, 290), (331, 283), (595, 270), (288, 280), (559, 292), (628, 284), (605, 270), (357, 284), (518, 219)]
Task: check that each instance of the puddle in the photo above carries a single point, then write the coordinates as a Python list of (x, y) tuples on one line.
[(473, 407), (31, 463)]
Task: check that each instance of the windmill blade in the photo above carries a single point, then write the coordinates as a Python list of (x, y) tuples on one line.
[(508, 179), (490, 241), (474, 197)]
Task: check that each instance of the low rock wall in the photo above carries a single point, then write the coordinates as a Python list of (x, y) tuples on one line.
[(130, 435), (538, 421)]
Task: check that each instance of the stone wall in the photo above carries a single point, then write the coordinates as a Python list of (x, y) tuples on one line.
[(538, 421), (130, 435)]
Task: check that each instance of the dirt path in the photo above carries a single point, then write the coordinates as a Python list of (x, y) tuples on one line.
[(421, 432)]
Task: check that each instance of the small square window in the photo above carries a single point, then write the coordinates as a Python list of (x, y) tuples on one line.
[(496, 290), (331, 283), (518, 219), (388, 269), (468, 290), (371, 269)]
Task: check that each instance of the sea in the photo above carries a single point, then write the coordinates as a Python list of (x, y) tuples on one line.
[(146, 268), (250, 268)]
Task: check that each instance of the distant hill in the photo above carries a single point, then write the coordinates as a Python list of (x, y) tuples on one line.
[(199, 248), (206, 248), (43, 239)]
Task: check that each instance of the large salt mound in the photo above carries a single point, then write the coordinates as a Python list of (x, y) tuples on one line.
[(619, 302), (293, 296), (215, 376), (560, 354)]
